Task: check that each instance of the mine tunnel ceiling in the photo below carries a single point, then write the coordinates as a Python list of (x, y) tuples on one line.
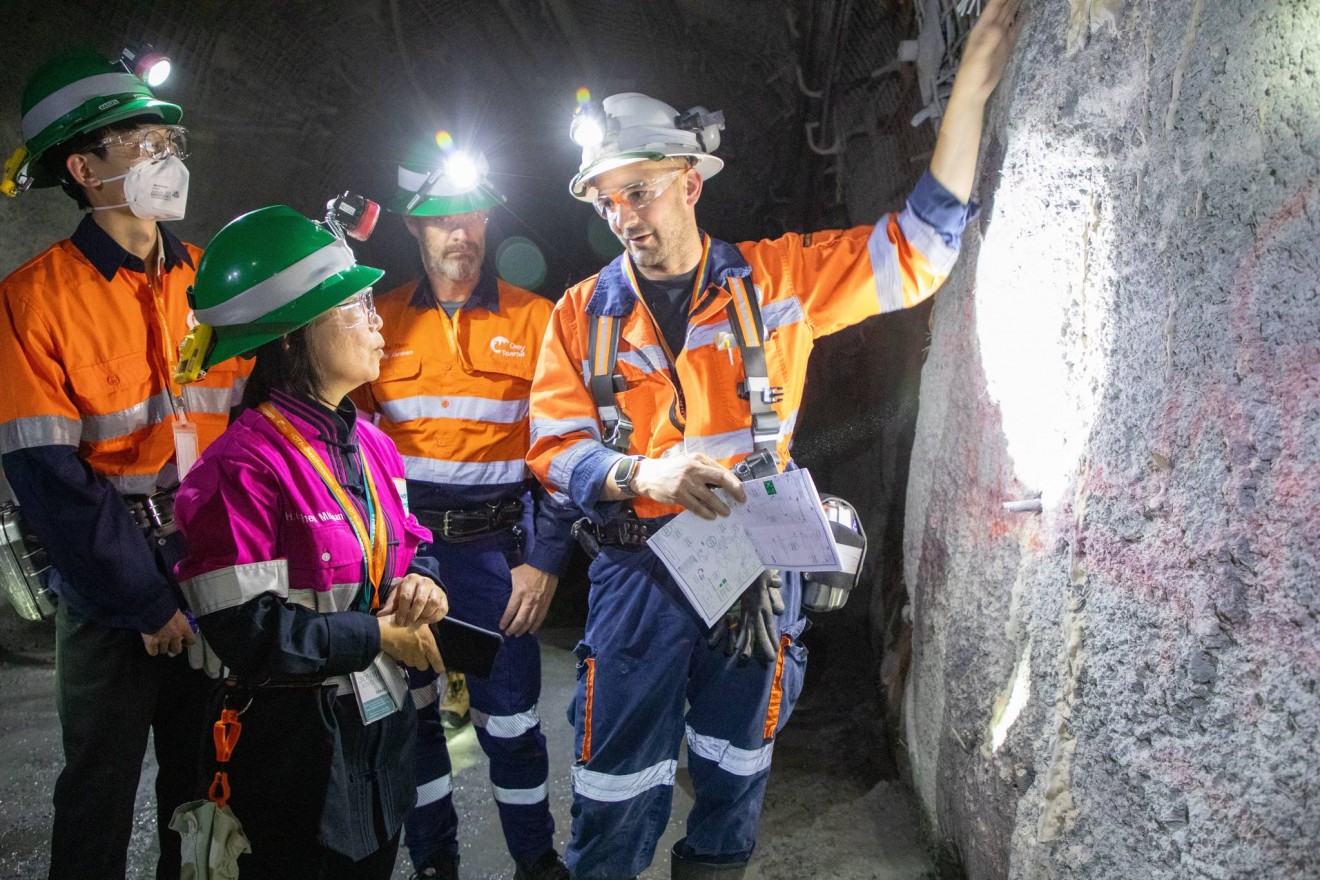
[(300, 100)]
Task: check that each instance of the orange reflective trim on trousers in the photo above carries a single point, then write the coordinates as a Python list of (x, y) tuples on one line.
[(586, 710), (776, 691)]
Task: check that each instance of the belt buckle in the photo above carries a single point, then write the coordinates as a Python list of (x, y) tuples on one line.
[(455, 532)]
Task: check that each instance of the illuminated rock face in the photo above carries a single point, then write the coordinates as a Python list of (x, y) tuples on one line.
[(1124, 683)]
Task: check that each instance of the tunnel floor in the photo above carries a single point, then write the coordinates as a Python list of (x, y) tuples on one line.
[(826, 813)]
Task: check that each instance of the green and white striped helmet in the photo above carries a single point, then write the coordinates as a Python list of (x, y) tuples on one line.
[(78, 91), (436, 182), (266, 274)]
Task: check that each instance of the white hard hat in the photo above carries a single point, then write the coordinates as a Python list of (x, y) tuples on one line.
[(631, 127)]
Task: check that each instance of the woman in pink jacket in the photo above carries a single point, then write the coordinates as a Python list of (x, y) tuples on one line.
[(300, 566)]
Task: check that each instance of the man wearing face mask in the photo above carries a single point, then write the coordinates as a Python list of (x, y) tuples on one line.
[(94, 434)]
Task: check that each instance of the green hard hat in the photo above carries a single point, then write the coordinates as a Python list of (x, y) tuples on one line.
[(428, 186), (266, 274), (78, 91)]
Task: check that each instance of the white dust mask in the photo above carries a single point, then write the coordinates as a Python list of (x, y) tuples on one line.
[(156, 189)]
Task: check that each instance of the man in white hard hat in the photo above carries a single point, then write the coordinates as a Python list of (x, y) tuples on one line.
[(682, 361)]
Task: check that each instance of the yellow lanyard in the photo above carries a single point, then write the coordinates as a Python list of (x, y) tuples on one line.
[(373, 558)]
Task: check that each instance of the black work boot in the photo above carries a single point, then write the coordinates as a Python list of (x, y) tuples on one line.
[(548, 867), (441, 866), (683, 867)]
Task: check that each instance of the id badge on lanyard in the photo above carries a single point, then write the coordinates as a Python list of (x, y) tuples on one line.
[(185, 443), (380, 689)]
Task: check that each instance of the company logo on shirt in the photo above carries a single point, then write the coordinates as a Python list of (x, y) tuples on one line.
[(508, 348)]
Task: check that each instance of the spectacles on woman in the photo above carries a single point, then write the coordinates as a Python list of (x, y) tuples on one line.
[(360, 309)]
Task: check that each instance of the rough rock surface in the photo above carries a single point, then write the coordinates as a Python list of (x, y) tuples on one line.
[(1124, 683)]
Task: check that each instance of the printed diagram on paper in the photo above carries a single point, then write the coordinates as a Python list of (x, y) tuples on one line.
[(784, 520), (782, 525), (713, 561)]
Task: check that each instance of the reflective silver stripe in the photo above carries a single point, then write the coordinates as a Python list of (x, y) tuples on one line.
[(134, 484), (338, 598), (435, 790), (506, 726), (610, 789), (648, 358), (730, 758), (152, 411), (473, 409), (33, 431), (706, 333), (781, 313), (926, 239), (424, 696), (73, 96), (231, 587), (281, 288), (563, 427), (787, 426), (211, 400), (724, 445), (464, 473), (561, 466), (521, 796), (884, 265)]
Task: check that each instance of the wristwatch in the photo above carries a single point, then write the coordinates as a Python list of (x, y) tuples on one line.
[(623, 472)]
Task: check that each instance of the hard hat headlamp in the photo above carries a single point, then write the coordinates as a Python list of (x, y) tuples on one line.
[(143, 61), (588, 126), (352, 215)]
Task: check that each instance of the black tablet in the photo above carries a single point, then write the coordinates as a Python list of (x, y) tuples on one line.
[(466, 648)]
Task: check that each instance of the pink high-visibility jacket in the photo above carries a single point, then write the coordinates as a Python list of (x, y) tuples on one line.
[(259, 520)]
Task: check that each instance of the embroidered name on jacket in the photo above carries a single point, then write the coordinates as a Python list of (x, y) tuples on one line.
[(323, 516)]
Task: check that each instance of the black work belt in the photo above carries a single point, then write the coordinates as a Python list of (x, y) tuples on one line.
[(154, 513), (628, 532), (464, 524)]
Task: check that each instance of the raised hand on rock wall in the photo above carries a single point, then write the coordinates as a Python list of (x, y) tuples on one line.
[(989, 46)]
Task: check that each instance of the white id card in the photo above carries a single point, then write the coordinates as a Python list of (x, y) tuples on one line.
[(380, 689), (185, 446)]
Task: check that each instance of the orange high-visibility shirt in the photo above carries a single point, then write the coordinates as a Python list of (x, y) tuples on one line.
[(806, 286), (87, 362), (452, 392)]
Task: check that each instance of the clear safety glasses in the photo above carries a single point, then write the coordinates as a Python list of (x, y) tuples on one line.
[(358, 311), (635, 195), (470, 220), (160, 142)]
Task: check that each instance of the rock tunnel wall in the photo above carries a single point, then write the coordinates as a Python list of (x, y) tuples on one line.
[(1123, 684)]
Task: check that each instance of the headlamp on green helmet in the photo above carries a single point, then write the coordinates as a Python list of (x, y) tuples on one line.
[(76, 92), (264, 275), (438, 179)]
